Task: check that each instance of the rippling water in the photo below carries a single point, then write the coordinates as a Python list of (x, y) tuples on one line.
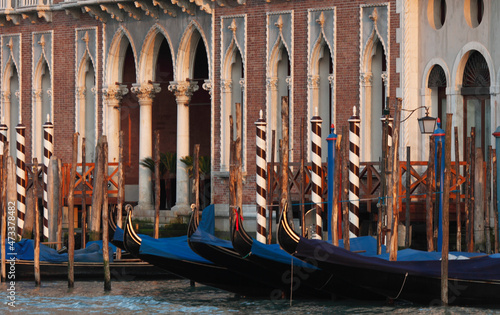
[(177, 296)]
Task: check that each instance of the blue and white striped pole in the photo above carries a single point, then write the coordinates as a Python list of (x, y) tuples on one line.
[(440, 138), (332, 140)]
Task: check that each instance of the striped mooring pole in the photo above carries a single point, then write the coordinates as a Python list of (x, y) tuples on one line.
[(354, 174), (261, 179), (20, 176), (48, 148), (439, 135), (331, 140), (316, 174)]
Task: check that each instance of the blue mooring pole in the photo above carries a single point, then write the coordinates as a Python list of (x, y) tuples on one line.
[(496, 134), (440, 137), (332, 140)]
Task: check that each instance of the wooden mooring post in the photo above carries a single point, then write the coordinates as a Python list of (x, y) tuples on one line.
[(157, 184), (71, 217), (302, 178), (59, 195), (121, 190), (284, 153), (430, 192), (395, 182), (345, 188), (487, 198), (270, 189), (237, 154), (196, 177), (457, 193), (446, 212), (408, 188), (37, 223), (84, 195), (467, 194), (495, 198), (472, 174), (336, 191), (105, 213)]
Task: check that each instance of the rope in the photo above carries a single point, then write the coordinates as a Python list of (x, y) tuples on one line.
[(401, 290)]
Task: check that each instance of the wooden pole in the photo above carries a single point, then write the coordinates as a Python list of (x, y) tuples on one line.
[(196, 175), (345, 188), (446, 211), (37, 223), (428, 200), (121, 190), (239, 175), (381, 222), (457, 199), (95, 214), (271, 188), (439, 191), (59, 197), (157, 184), (495, 198), (3, 205), (395, 182), (84, 194), (467, 194), (71, 212), (284, 152), (472, 188), (336, 188), (105, 213), (408, 187), (487, 198), (302, 179), (232, 183)]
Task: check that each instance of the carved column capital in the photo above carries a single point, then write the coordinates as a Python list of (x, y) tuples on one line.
[(272, 83), (313, 81), (208, 86), (37, 93), (114, 92), (366, 78), (385, 77), (80, 92), (227, 86), (6, 96), (145, 92), (183, 90)]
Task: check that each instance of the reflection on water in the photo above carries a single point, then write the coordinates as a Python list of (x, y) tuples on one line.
[(167, 296)]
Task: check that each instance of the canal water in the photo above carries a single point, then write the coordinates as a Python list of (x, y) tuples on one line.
[(178, 297)]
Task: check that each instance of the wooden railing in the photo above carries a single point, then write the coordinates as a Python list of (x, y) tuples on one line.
[(86, 181), (370, 183)]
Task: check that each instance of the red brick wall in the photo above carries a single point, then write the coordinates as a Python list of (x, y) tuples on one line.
[(63, 72), (346, 71)]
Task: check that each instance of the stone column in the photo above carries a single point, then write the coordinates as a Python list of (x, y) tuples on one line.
[(112, 97), (183, 91), (145, 93)]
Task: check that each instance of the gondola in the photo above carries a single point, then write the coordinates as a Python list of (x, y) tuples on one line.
[(274, 258), (174, 255), (221, 252), (414, 277)]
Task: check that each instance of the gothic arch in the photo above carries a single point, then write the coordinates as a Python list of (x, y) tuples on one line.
[(10, 112), (371, 128), (41, 99), (116, 54), (461, 61), (149, 53), (227, 99), (319, 87), (187, 51), (86, 100)]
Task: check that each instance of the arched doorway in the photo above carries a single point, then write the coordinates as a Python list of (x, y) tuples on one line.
[(129, 121), (476, 95)]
